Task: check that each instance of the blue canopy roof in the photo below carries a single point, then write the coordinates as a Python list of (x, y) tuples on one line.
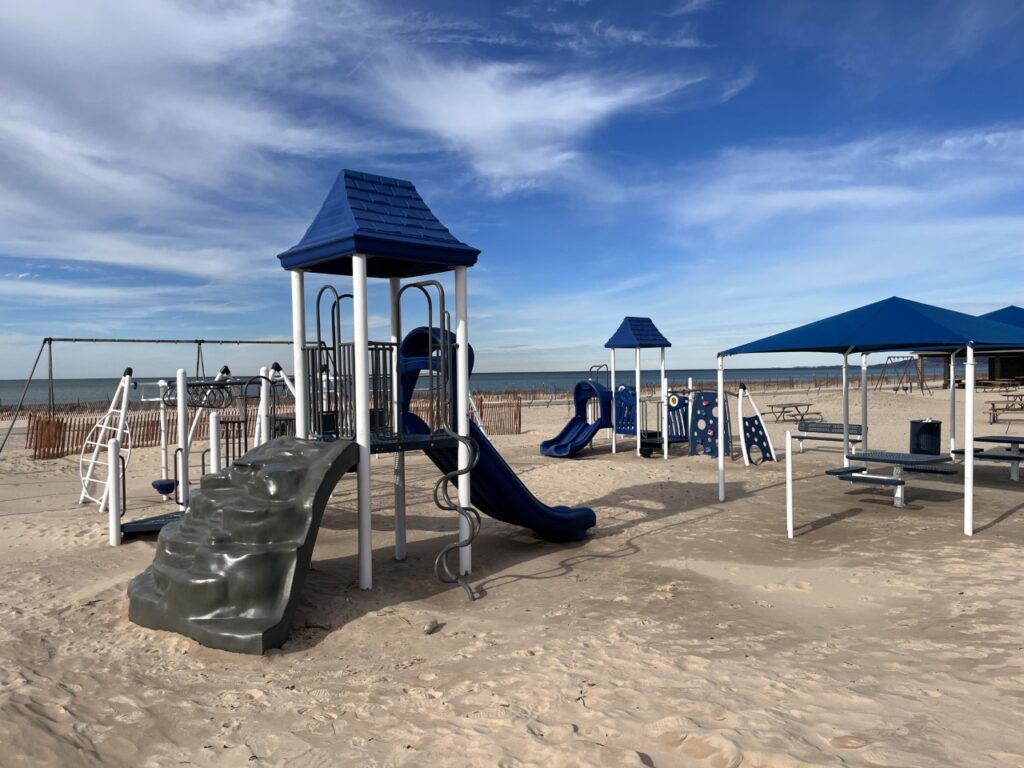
[(890, 324), (1011, 315), (637, 332), (383, 218)]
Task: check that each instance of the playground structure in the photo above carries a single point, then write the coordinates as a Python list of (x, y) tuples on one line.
[(690, 417), (235, 555), (106, 452)]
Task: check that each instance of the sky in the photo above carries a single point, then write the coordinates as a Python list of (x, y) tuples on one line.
[(728, 168)]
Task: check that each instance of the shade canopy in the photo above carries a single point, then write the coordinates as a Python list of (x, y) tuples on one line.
[(1011, 315), (890, 324), (637, 333), (384, 219)]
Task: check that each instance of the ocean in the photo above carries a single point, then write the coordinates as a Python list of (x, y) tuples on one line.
[(553, 382)]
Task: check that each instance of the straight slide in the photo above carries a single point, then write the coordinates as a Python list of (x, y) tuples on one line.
[(574, 437), (499, 493)]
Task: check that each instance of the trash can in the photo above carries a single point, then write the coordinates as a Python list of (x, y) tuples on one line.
[(926, 436)]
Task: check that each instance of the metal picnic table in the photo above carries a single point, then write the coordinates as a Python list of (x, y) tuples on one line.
[(1013, 401), (900, 462), (789, 411), (1014, 441)]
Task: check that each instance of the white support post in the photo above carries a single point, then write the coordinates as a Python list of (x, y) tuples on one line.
[(664, 404), (361, 372), (395, 285), (863, 402), (164, 462), (114, 500), (181, 392), (789, 484), (969, 444), (215, 465), (613, 399), (462, 406), (264, 420), (846, 410), (722, 423), (637, 409), (952, 404), (299, 355)]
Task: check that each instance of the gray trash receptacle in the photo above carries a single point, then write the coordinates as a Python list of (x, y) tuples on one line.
[(926, 436)]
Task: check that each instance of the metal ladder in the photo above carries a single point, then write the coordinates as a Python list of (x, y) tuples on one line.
[(111, 425)]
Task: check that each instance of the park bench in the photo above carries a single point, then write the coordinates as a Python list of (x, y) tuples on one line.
[(825, 431)]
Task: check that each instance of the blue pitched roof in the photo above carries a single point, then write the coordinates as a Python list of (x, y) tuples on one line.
[(1011, 315), (890, 324), (637, 332), (383, 218)]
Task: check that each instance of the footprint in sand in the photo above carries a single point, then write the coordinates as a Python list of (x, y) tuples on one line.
[(711, 750), (848, 742)]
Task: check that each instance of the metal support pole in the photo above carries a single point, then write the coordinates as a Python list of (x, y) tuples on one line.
[(969, 444), (395, 285), (181, 397), (664, 404), (361, 352), (637, 409), (614, 422), (723, 421), (846, 410), (114, 500), (952, 404), (462, 406), (164, 439), (215, 465), (299, 354), (863, 402), (264, 414), (24, 391), (789, 484)]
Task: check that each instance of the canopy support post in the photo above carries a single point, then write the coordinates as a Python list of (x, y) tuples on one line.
[(864, 402), (462, 410), (395, 285), (299, 355), (664, 404), (612, 370), (636, 412), (846, 409), (969, 443), (952, 404), (722, 421), (361, 353)]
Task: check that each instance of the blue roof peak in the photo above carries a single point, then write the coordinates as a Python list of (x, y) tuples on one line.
[(637, 332), (383, 218)]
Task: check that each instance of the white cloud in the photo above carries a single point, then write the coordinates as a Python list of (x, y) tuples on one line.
[(516, 124)]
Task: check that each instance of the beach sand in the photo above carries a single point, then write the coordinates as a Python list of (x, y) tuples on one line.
[(683, 632)]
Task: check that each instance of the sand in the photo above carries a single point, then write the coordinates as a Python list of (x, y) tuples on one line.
[(684, 632)]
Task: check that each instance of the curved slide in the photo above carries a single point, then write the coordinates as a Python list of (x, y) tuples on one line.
[(577, 434), (498, 492)]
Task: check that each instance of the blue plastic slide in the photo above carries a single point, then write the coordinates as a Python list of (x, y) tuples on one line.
[(577, 434), (498, 492)]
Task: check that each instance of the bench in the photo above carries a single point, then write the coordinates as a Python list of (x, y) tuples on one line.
[(872, 479), (825, 431), (998, 455), (840, 471), (931, 469)]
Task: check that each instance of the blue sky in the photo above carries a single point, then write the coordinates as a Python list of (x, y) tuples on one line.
[(729, 168)]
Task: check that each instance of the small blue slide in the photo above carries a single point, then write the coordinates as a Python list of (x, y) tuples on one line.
[(498, 492), (577, 434)]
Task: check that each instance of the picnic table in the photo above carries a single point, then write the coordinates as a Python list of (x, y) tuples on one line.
[(901, 462), (791, 411), (1010, 455), (1011, 402)]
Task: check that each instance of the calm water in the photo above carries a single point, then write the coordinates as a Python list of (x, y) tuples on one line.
[(93, 390)]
